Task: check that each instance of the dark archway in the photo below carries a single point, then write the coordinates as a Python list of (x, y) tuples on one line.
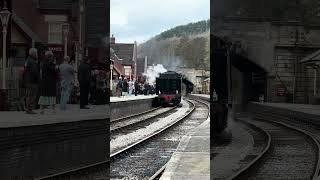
[(252, 75)]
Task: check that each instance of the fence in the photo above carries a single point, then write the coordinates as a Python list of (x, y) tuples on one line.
[(13, 86)]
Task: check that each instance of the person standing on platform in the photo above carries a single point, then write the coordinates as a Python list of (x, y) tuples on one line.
[(146, 88), (84, 74), (119, 87), (93, 87), (136, 87), (31, 79), (125, 87), (48, 83), (101, 94), (131, 87), (67, 81)]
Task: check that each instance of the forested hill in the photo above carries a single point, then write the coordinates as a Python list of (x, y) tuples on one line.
[(181, 46), (186, 30)]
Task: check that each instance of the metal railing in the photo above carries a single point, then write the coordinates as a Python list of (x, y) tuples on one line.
[(13, 82)]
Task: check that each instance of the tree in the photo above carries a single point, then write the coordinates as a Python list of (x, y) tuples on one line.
[(180, 46)]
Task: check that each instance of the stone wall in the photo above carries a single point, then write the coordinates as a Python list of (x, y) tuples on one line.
[(277, 47), (36, 151), (126, 108)]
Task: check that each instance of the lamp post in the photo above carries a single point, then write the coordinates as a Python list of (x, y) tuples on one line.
[(81, 14), (4, 15), (65, 29), (229, 82), (315, 68), (111, 75), (315, 82)]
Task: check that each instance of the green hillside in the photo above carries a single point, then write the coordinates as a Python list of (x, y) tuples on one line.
[(181, 46)]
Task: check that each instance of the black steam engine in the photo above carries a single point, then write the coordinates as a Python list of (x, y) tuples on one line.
[(170, 86)]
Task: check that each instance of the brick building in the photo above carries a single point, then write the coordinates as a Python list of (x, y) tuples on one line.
[(118, 69), (127, 53), (41, 24)]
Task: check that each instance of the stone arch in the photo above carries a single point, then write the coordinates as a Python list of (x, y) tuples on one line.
[(247, 79)]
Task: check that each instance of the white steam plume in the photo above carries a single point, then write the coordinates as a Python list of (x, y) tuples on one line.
[(153, 72)]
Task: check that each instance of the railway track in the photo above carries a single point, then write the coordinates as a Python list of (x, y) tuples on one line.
[(290, 153), (308, 127), (100, 171), (150, 156), (119, 125)]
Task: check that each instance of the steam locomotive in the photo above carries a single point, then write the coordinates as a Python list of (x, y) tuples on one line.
[(170, 86)]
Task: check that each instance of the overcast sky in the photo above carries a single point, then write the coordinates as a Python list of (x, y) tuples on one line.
[(142, 19)]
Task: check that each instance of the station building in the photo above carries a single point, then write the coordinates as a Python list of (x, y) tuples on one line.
[(59, 26), (127, 58)]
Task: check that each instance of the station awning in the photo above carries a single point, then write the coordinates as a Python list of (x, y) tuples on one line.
[(245, 65), (19, 21), (312, 58)]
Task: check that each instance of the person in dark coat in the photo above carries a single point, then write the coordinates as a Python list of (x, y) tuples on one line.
[(101, 96), (31, 79), (93, 87), (48, 83), (125, 88), (119, 87), (84, 76), (146, 88), (136, 87)]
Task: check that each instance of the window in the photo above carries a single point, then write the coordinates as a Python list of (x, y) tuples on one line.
[(127, 70), (55, 33)]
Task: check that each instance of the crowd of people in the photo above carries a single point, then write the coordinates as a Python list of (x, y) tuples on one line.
[(47, 83), (128, 87)]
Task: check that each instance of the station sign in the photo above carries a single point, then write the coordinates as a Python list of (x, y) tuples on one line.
[(55, 49), (281, 91)]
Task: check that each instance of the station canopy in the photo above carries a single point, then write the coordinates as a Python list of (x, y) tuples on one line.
[(312, 59)]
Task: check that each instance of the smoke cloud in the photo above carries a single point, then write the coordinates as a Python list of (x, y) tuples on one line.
[(153, 72), (173, 63)]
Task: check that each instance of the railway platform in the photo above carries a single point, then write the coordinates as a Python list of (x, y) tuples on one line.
[(283, 111), (114, 99), (302, 108), (73, 113), (128, 105), (192, 157), (206, 96), (29, 143)]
